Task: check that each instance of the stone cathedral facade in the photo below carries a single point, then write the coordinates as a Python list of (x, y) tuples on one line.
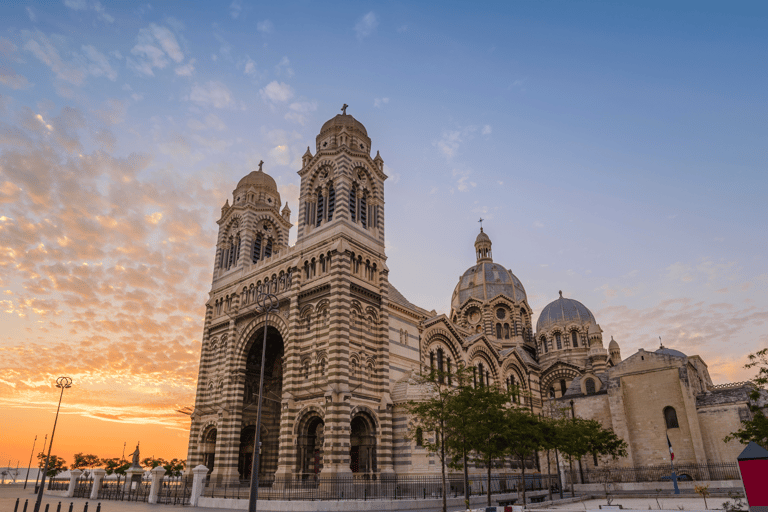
[(345, 346)]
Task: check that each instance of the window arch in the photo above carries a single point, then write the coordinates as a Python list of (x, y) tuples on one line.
[(256, 255), (268, 248), (498, 331), (440, 365), (558, 341), (481, 372), (670, 417), (544, 344), (589, 386), (331, 201), (320, 207), (353, 203), (563, 387), (363, 209), (574, 339), (419, 437)]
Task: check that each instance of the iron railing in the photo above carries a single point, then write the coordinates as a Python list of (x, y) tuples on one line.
[(658, 473), (58, 484), (375, 487), (116, 490)]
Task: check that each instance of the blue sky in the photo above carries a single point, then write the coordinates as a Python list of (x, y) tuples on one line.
[(617, 151)]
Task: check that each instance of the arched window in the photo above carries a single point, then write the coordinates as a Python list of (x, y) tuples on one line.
[(320, 207), (353, 203), (363, 210), (419, 437), (268, 249), (448, 368), (506, 331), (589, 385), (440, 365), (563, 387), (670, 417), (256, 253), (331, 201), (237, 248), (558, 341), (544, 344), (551, 392), (306, 369), (481, 372), (498, 331), (322, 367), (574, 339), (432, 361)]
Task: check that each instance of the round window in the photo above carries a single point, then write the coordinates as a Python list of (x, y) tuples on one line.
[(501, 313)]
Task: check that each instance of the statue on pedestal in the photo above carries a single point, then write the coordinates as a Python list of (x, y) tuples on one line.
[(135, 458)]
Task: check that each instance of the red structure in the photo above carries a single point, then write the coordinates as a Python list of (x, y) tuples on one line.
[(753, 464)]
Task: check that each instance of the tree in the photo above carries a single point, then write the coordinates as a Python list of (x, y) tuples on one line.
[(175, 467), (524, 435), (151, 462), (55, 466), (85, 461), (432, 415), (485, 431), (115, 465), (756, 428)]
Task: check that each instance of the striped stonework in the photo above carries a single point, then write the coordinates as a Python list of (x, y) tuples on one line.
[(345, 350)]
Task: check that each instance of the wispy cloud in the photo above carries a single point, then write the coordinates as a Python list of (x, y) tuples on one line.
[(265, 27), (235, 8), (155, 45), (81, 5), (276, 92), (211, 94), (366, 25), (380, 102)]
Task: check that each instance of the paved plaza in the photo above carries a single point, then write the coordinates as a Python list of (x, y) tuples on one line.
[(9, 493)]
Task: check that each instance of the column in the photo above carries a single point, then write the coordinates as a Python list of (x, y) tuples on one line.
[(74, 474), (157, 481), (98, 478), (198, 484)]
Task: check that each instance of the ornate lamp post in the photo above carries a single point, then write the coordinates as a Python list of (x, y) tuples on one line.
[(268, 303), (63, 383)]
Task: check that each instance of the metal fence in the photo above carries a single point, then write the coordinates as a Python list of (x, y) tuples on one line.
[(659, 473), (83, 487), (58, 484), (375, 487), (175, 490)]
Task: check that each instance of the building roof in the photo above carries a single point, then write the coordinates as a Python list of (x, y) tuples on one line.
[(564, 311), (485, 281), (670, 352)]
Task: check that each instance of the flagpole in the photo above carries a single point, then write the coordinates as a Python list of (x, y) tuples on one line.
[(672, 463)]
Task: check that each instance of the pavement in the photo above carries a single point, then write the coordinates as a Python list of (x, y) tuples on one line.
[(9, 494)]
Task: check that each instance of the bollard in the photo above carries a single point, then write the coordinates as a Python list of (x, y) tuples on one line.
[(85, 508), (70, 506), (46, 506), (58, 509), (26, 502), (98, 507), (16, 508)]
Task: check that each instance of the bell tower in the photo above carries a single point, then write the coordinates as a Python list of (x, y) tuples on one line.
[(342, 185)]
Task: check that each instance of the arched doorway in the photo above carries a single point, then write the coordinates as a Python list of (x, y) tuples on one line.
[(362, 444), (209, 448), (271, 402), (310, 447)]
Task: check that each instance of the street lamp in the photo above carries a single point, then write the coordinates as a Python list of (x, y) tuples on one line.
[(268, 303), (63, 383), (30, 461)]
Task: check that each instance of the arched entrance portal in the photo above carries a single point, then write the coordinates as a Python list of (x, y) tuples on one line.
[(209, 448), (272, 397), (310, 448), (362, 445)]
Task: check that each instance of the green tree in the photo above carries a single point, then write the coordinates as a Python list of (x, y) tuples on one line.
[(55, 466), (524, 434), (115, 465), (756, 428), (175, 467), (83, 461), (485, 431), (432, 415), (150, 463)]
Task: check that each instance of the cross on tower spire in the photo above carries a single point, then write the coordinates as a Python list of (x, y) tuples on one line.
[(344, 109), (261, 162), (481, 223)]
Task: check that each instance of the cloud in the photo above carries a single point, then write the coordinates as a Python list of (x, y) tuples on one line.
[(155, 45), (366, 25), (250, 67), (462, 179), (213, 93), (284, 68), (449, 143), (99, 64), (235, 8), (186, 69), (32, 15), (276, 92), (10, 78), (81, 5), (47, 52), (380, 102), (299, 111), (486, 130), (265, 27)]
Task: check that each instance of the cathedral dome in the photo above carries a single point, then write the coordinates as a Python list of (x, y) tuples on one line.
[(564, 311), (670, 352), (258, 179), (487, 279), (357, 135)]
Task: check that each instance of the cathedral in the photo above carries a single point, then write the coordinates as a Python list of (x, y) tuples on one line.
[(345, 346)]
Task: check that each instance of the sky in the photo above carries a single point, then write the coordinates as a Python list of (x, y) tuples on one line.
[(616, 150)]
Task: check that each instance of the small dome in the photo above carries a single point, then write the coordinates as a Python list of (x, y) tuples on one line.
[(613, 345), (670, 352), (482, 237), (258, 179), (564, 311), (344, 120)]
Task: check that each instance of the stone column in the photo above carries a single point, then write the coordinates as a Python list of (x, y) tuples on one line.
[(73, 476), (198, 484), (157, 482), (98, 478)]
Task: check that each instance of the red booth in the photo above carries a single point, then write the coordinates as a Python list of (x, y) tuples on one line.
[(753, 464)]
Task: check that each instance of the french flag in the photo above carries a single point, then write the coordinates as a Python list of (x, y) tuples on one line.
[(671, 453)]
